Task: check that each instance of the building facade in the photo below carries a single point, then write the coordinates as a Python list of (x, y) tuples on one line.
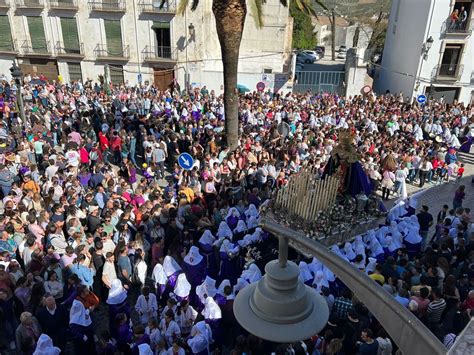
[(136, 40), (429, 50)]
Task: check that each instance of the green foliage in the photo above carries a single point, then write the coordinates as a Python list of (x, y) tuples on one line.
[(303, 29)]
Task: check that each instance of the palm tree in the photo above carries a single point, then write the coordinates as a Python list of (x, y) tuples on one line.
[(230, 18)]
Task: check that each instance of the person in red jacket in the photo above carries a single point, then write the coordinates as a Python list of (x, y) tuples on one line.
[(116, 146)]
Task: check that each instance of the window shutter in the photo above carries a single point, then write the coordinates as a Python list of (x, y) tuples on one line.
[(6, 42), (113, 35), (37, 36), (70, 35), (75, 73), (116, 75)]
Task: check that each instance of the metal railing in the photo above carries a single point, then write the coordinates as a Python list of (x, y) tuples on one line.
[(319, 82), (101, 51), (159, 53), (62, 50), (8, 47), (28, 48), (63, 4), (148, 6), (107, 5), (448, 71), (461, 27), (29, 3), (4, 3)]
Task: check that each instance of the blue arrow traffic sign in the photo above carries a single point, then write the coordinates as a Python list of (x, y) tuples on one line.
[(186, 161), (421, 99)]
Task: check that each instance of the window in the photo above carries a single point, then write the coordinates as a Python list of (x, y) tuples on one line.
[(6, 42), (75, 73), (113, 35), (116, 75), (37, 36), (70, 35), (267, 71)]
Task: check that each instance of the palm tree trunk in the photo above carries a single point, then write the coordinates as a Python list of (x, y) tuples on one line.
[(230, 19)]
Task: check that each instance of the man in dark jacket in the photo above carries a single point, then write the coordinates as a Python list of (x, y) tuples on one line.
[(54, 322)]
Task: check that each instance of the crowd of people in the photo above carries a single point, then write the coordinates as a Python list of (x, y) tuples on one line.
[(109, 246)]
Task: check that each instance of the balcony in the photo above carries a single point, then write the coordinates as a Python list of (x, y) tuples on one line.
[(64, 5), (4, 4), (107, 5), (63, 52), (9, 48), (102, 53), (460, 28), (448, 72), (43, 50), (148, 7), (159, 54), (29, 4)]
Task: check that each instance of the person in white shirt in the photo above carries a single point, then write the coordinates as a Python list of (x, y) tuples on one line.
[(146, 306), (169, 328), (400, 185)]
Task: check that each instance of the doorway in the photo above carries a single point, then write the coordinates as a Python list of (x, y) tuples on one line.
[(163, 78)]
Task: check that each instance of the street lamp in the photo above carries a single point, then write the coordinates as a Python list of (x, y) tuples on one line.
[(280, 307), (192, 32), (426, 47), (17, 75)]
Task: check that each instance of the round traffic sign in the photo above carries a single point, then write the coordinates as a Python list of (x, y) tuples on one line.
[(186, 161), (421, 99), (260, 86)]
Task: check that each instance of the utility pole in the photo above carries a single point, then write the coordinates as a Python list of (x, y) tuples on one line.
[(332, 19)]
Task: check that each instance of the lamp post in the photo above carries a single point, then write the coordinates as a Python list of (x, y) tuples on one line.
[(17, 75), (277, 308), (280, 307), (426, 47)]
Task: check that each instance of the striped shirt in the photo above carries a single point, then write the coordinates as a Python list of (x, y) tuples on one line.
[(435, 310)]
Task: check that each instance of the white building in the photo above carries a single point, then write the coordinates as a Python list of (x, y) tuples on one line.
[(77, 39), (426, 52), (344, 35)]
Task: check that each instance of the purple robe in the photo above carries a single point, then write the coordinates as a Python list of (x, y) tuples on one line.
[(228, 268), (412, 249), (195, 274), (172, 279), (115, 309), (207, 251), (232, 222), (466, 145)]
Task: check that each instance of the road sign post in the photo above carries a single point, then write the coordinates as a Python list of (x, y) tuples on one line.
[(186, 161)]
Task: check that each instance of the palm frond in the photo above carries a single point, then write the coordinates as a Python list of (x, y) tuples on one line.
[(183, 4), (257, 12), (307, 7), (194, 5)]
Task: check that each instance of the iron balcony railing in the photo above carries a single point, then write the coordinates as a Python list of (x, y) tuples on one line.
[(457, 26), (28, 48), (154, 6), (448, 71), (107, 5), (151, 53), (29, 3), (101, 51), (64, 4), (8, 47), (62, 50), (4, 3)]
